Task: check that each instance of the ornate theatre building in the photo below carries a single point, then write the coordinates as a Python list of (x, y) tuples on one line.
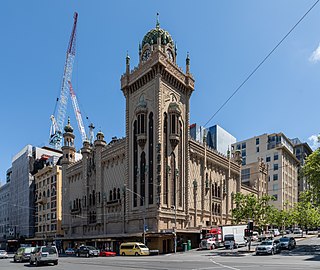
[(156, 182)]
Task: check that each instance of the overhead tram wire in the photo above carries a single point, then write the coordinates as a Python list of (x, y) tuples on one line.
[(262, 62)]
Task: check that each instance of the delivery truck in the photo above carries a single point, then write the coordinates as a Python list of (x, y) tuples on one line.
[(216, 237)]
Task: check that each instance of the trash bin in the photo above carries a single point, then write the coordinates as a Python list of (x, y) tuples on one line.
[(189, 244), (185, 247)]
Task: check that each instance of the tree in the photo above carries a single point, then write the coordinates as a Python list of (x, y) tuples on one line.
[(250, 207), (311, 170), (305, 213)]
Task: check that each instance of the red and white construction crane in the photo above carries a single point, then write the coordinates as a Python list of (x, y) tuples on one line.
[(77, 112), (57, 122)]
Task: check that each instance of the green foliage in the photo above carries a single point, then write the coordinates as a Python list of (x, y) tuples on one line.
[(311, 170), (249, 207), (305, 213)]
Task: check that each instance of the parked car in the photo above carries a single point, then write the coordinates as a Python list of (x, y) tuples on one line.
[(69, 251), (268, 247), (107, 253), (287, 242), (3, 254), (274, 232), (87, 251), (23, 254), (297, 231), (255, 236), (266, 236), (44, 255)]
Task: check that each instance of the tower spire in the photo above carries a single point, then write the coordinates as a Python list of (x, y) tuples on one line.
[(188, 63), (158, 23)]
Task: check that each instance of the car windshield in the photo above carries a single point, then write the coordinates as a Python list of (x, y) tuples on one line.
[(28, 249), (91, 248), (284, 239), (266, 243), (229, 238), (142, 246), (50, 250)]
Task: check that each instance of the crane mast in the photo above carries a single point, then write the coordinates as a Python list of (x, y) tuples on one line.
[(77, 112), (58, 122)]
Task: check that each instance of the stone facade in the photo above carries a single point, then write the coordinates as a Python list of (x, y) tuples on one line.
[(156, 181), (48, 210)]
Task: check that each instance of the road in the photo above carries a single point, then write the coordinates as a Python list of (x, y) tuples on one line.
[(305, 256)]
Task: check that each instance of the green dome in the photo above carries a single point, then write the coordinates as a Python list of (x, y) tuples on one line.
[(68, 127), (152, 37)]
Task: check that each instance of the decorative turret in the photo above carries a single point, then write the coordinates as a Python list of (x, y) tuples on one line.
[(188, 64), (68, 148), (157, 39)]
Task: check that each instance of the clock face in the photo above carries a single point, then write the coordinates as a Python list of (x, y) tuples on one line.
[(146, 55), (170, 55)]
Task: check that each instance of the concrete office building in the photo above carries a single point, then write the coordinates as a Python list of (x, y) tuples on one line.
[(302, 151), (21, 216), (4, 213), (278, 152)]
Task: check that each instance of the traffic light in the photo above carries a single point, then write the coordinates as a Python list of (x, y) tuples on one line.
[(250, 225), (246, 232)]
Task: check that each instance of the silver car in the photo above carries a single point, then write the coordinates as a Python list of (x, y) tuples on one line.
[(44, 255), (268, 247), (3, 254)]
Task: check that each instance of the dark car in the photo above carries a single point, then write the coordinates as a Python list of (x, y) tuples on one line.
[(287, 242), (87, 251), (23, 254)]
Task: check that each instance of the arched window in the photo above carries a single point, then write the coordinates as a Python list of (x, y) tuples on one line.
[(48, 193), (110, 195), (114, 194), (118, 194), (93, 197), (135, 164)]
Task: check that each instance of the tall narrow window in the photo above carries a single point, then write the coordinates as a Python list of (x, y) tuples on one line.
[(150, 191), (166, 165), (142, 177), (135, 164)]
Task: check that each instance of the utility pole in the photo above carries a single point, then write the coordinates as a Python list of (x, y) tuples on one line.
[(144, 212)]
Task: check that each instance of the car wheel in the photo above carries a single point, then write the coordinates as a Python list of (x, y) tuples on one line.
[(31, 262), (136, 254), (14, 259), (37, 263), (55, 263), (272, 252), (77, 254), (87, 255), (257, 253), (123, 254)]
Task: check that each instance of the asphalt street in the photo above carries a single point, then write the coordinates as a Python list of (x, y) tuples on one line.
[(305, 256)]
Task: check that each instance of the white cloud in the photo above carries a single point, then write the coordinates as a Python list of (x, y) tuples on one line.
[(314, 143), (315, 56)]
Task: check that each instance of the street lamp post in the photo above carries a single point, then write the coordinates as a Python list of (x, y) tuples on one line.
[(173, 207), (144, 212)]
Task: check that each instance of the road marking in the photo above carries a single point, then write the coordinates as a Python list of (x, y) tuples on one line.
[(225, 266)]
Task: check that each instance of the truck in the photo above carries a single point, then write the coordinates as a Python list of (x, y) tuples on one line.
[(216, 236)]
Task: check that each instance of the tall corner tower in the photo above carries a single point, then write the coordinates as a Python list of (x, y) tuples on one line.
[(68, 150), (157, 96)]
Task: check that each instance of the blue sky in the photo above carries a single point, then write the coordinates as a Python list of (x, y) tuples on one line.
[(226, 40)]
